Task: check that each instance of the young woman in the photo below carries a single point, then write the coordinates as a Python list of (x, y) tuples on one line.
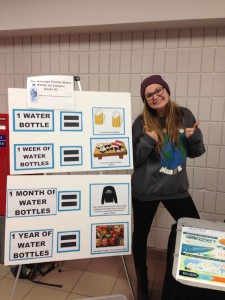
[(164, 135)]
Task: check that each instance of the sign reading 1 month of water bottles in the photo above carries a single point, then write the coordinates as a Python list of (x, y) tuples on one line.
[(64, 217), (54, 129)]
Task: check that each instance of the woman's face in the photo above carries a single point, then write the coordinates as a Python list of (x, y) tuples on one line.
[(157, 98)]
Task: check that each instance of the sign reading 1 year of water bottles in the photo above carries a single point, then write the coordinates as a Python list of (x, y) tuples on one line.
[(54, 129)]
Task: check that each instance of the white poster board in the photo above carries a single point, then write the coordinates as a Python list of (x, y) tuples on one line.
[(95, 136), (199, 258), (64, 217)]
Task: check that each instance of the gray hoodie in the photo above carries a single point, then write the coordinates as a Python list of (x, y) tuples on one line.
[(161, 177)]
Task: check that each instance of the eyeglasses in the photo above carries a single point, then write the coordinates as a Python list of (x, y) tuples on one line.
[(158, 92)]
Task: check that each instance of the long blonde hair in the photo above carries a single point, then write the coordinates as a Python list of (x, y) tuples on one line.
[(173, 122)]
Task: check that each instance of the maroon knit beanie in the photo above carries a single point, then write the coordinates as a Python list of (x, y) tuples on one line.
[(150, 80)]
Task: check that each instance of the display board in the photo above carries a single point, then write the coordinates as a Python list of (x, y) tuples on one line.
[(94, 136), (64, 217), (199, 258)]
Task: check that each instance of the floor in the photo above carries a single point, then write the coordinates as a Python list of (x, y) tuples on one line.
[(87, 278)]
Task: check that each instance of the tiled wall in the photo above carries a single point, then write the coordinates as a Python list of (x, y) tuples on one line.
[(191, 60)]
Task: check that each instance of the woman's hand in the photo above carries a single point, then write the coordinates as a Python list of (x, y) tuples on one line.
[(152, 134), (190, 131)]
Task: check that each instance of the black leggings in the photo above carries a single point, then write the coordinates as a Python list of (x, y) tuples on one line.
[(143, 214)]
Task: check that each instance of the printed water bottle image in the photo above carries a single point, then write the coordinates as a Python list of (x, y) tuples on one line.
[(33, 93)]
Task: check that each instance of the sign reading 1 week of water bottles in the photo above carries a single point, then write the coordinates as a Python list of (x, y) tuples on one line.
[(55, 129)]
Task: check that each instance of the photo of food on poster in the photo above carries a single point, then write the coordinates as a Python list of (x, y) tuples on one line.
[(109, 199), (110, 152), (109, 237)]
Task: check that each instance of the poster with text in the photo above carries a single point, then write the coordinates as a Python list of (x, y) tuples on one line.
[(95, 135), (64, 217)]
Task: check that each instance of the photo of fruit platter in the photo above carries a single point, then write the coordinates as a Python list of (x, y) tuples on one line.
[(110, 149), (109, 235)]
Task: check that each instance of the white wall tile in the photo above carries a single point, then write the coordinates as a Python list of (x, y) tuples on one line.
[(137, 40), (210, 202), (220, 203), (18, 44), (172, 38), (208, 58), (195, 60), (182, 85), (197, 37), (18, 63), (126, 42), (171, 61), (160, 39), (103, 83), (45, 43), (222, 158), (149, 39), (199, 178), (9, 64), (2, 64), (136, 61), (8, 45), (221, 185), (220, 59), (213, 156), (54, 63), (116, 41), (94, 42), (124, 83), (64, 63), (84, 42), (83, 62), (215, 133), (220, 36), (210, 37), (74, 63), (114, 83), (54, 43), (218, 85), (125, 62), (105, 41), (194, 85), (211, 179), (2, 45), (206, 84), (114, 62), (3, 104), (159, 61), (217, 113), (94, 63), (161, 239), (147, 61), (36, 63), (185, 38), (104, 62), (198, 198), (45, 63), (205, 109), (74, 42), (36, 44), (183, 60), (193, 105)]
